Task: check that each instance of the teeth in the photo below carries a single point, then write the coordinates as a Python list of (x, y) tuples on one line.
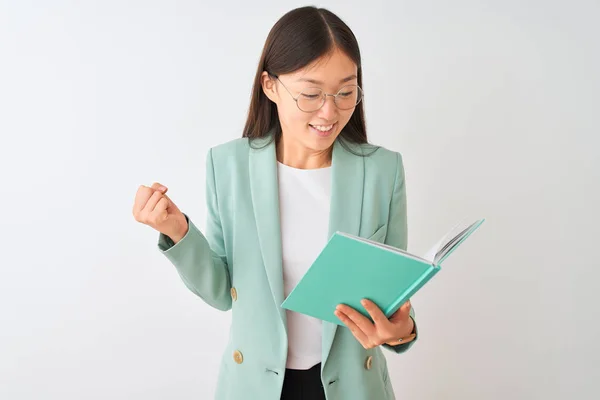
[(322, 128)]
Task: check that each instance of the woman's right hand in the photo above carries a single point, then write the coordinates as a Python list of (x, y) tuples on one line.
[(154, 208)]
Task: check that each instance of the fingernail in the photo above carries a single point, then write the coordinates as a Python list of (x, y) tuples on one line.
[(363, 302)]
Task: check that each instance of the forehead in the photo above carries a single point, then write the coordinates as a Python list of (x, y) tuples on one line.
[(330, 70)]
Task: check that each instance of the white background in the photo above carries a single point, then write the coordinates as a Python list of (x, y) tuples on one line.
[(493, 104)]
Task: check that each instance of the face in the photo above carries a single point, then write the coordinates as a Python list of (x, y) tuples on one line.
[(314, 130)]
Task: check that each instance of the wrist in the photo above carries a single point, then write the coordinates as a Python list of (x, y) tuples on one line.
[(176, 237), (405, 336)]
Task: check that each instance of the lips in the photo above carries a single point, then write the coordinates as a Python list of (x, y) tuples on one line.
[(323, 130)]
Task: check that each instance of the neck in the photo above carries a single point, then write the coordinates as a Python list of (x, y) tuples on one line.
[(298, 156)]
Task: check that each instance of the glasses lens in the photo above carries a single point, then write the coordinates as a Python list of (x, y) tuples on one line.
[(310, 99), (348, 97)]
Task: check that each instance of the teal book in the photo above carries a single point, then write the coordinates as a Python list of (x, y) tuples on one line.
[(350, 268)]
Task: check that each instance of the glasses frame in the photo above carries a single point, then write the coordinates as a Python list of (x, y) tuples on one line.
[(324, 97)]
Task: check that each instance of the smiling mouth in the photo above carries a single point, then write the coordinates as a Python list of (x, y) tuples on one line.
[(323, 130)]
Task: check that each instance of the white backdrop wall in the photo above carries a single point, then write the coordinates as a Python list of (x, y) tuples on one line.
[(493, 104)]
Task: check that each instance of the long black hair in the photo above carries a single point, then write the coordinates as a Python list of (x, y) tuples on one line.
[(297, 39)]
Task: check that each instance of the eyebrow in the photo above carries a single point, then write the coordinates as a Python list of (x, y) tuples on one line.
[(316, 82)]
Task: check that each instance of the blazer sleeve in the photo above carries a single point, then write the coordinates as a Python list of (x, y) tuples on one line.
[(200, 259), (397, 234)]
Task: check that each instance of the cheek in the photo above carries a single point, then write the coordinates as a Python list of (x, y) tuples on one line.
[(292, 117), (344, 118)]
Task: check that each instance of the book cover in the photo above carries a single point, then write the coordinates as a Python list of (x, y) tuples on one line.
[(350, 268)]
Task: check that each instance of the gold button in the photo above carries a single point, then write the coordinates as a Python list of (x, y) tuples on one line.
[(369, 362), (233, 294), (238, 357)]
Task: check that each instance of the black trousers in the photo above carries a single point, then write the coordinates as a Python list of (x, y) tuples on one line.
[(303, 384)]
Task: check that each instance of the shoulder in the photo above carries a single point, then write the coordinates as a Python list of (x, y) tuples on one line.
[(382, 157), (232, 148), (379, 161)]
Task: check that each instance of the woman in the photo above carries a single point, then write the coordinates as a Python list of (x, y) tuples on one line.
[(302, 170)]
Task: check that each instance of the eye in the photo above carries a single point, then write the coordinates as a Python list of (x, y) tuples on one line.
[(310, 96)]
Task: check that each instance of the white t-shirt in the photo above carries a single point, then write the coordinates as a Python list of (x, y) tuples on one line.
[(304, 210)]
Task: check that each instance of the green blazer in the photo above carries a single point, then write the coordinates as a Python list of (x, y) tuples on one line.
[(236, 264)]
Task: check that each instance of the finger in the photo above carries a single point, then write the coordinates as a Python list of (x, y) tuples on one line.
[(142, 196), (375, 312), (360, 320), (159, 213), (171, 206), (356, 331), (152, 202), (161, 188)]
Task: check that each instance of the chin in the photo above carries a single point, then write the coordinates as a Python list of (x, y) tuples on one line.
[(323, 143)]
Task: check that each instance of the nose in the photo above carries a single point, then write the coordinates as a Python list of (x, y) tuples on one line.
[(329, 109)]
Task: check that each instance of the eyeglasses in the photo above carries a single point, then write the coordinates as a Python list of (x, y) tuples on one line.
[(313, 98)]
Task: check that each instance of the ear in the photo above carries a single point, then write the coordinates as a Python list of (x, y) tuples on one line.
[(269, 87)]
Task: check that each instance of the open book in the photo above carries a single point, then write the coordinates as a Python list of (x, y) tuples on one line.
[(351, 268), (441, 250)]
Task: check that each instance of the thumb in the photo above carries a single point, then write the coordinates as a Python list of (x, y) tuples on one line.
[(161, 188), (171, 207), (404, 309)]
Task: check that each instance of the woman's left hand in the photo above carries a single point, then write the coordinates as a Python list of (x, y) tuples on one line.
[(383, 330)]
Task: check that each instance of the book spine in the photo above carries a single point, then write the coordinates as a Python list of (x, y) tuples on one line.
[(411, 290)]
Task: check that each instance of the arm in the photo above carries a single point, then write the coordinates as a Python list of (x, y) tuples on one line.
[(200, 259), (397, 235)]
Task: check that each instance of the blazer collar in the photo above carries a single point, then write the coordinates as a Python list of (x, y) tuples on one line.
[(347, 182)]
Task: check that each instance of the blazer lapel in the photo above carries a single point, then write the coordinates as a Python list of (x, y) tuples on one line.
[(264, 190), (347, 183)]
